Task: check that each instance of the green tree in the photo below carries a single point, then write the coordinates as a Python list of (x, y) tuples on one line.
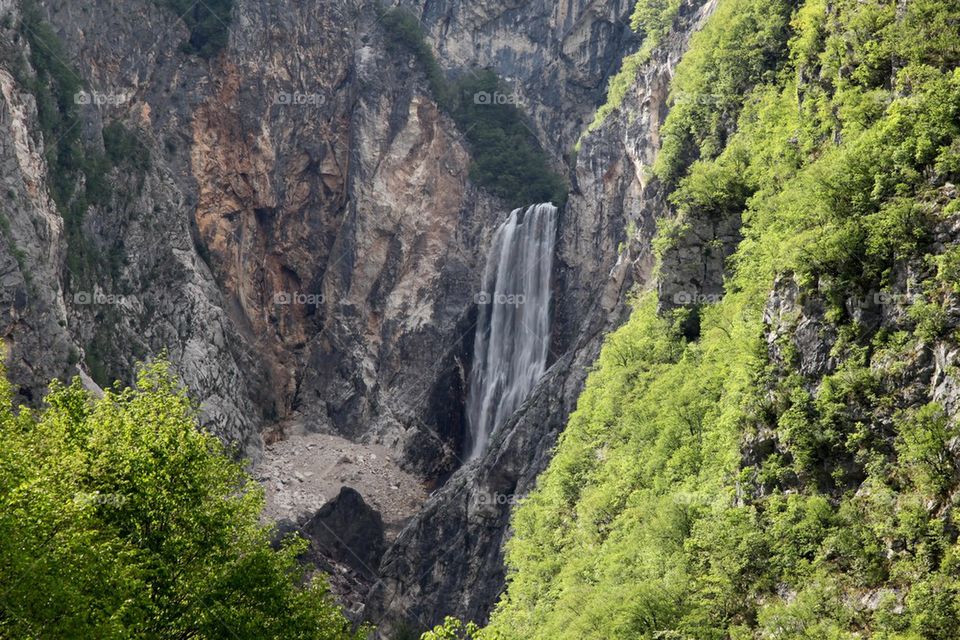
[(454, 629), (208, 22), (120, 517)]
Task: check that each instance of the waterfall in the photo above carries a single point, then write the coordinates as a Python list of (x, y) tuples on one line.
[(513, 323)]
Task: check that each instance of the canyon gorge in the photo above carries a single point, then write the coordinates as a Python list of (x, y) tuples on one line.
[(306, 247), (305, 208)]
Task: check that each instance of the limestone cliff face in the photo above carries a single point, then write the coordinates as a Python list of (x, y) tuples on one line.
[(302, 243), (32, 311), (158, 293), (305, 243), (556, 56)]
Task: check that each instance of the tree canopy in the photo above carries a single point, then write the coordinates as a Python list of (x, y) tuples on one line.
[(120, 517)]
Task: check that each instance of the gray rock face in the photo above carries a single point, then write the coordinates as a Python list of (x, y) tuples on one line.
[(556, 56), (345, 540), (693, 267), (305, 244), (801, 321), (33, 314)]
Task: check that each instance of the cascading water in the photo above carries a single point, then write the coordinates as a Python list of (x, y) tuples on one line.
[(513, 324)]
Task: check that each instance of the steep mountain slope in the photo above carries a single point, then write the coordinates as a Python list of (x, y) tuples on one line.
[(292, 202), (321, 204), (270, 193), (776, 458)]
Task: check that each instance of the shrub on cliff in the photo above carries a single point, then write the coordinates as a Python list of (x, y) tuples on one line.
[(80, 174), (120, 518), (651, 19), (208, 22)]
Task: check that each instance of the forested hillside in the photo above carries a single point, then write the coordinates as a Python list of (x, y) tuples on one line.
[(782, 462)]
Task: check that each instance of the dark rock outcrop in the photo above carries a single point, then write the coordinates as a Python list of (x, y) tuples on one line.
[(346, 539), (347, 531)]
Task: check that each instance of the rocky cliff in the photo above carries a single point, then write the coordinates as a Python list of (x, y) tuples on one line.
[(302, 238), (291, 221)]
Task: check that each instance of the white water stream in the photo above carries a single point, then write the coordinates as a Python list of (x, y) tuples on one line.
[(513, 325)]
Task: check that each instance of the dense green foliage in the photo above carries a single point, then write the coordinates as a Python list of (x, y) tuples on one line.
[(508, 161), (120, 518), (707, 489), (208, 22), (742, 45), (452, 629)]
